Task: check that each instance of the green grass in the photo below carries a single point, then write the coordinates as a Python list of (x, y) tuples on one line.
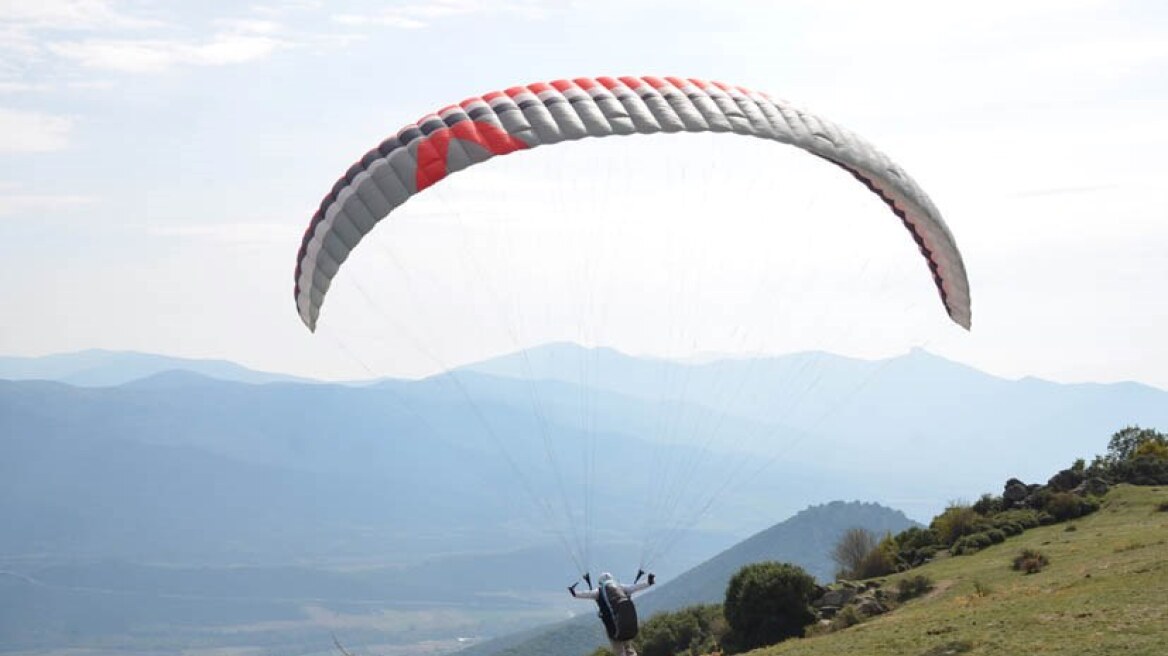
[(1103, 593)]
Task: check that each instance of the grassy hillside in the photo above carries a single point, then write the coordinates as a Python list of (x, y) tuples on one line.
[(1101, 594)]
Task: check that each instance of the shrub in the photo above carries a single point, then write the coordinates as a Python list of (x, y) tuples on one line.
[(1064, 505), (996, 536), (915, 538), (957, 521), (926, 553), (1040, 497), (1046, 519), (1027, 518), (1066, 480), (909, 588), (988, 505), (697, 629), (982, 589), (1010, 528), (949, 648), (1030, 561), (912, 547), (1131, 545), (767, 603), (971, 544), (848, 616), (1144, 470), (1152, 449)]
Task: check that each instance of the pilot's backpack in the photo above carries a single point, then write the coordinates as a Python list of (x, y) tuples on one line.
[(617, 612)]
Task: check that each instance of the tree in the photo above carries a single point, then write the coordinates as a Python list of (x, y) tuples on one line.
[(1155, 449), (1125, 443), (860, 555), (767, 603), (851, 550)]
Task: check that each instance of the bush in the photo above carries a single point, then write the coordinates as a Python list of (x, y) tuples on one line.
[(767, 603), (996, 536), (1010, 528), (949, 648), (1026, 518), (1152, 449), (988, 505), (1040, 497), (957, 521), (693, 630), (1066, 480), (1030, 561), (912, 587), (915, 538), (912, 547), (1064, 505), (971, 544), (1144, 470)]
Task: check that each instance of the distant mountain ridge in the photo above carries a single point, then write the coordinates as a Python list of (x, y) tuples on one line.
[(902, 404), (815, 416), (101, 368)]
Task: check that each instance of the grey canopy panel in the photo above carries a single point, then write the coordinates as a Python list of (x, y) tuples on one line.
[(521, 118)]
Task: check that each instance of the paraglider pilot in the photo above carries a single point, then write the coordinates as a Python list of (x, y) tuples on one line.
[(616, 609)]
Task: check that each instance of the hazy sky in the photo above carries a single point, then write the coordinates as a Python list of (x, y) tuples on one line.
[(161, 160)]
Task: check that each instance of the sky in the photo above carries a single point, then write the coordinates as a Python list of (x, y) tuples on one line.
[(160, 161)]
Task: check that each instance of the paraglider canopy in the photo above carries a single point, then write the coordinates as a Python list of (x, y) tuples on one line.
[(524, 117)]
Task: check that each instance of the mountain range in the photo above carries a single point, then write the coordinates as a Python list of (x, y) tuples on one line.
[(102, 368), (342, 470)]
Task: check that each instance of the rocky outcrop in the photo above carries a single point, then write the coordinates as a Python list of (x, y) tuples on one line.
[(1015, 494), (1021, 495), (868, 599), (1095, 487), (1066, 480)]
